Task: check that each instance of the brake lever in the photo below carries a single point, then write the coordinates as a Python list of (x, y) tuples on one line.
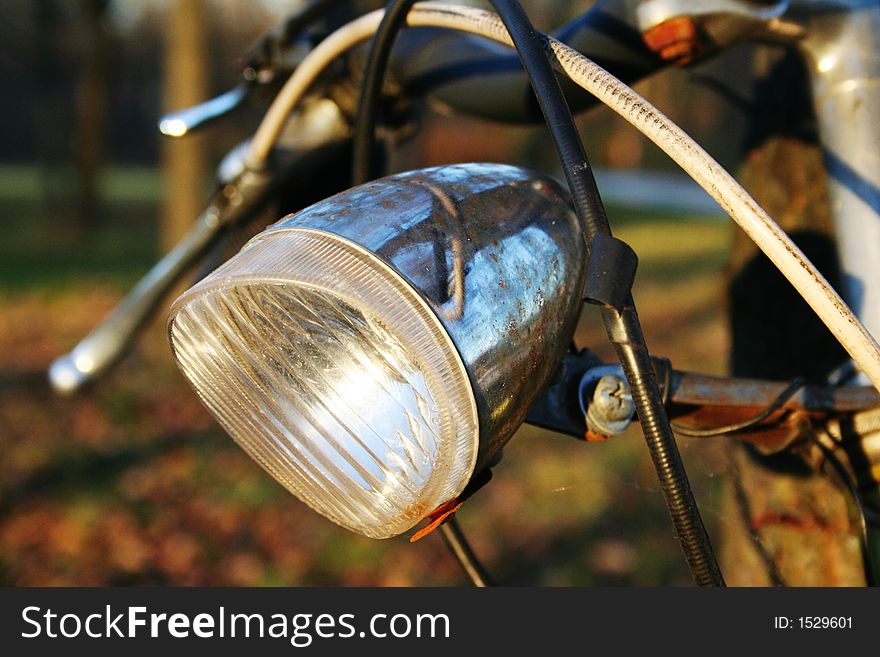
[(262, 71), (108, 342), (182, 122), (242, 192)]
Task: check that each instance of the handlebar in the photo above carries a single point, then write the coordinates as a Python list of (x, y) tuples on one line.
[(97, 351), (103, 346), (318, 136), (483, 79), (180, 123), (466, 73)]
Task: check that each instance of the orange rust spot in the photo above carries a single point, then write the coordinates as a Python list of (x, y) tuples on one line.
[(814, 523), (593, 437), (438, 516), (447, 510), (675, 40), (533, 356)]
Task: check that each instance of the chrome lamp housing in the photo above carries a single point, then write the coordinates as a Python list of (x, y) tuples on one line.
[(377, 349)]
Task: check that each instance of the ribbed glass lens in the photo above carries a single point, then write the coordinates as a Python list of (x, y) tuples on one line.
[(334, 375)]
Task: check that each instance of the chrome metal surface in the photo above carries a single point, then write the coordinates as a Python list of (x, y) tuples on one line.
[(109, 340), (840, 41), (611, 410), (318, 123), (605, 400), (470, 75), (100, 348), (691, 389), (842, 49), (182, 122), (707, 401), (496, 251)]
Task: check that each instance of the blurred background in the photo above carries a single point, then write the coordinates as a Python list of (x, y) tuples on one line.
[(132, 482)]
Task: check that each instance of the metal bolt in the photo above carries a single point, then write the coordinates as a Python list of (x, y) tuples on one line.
[(611, 409)]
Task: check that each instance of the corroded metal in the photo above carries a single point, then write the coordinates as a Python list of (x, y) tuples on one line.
[(499, 255), (702, 389), (703, 401)]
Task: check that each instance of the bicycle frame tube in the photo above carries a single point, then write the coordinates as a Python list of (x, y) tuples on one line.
[(842, 50), (484, 79), (840, 43)]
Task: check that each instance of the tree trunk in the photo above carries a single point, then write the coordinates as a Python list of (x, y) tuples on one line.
[(186, 83), (91, 110), (53, 120), (788, 523)]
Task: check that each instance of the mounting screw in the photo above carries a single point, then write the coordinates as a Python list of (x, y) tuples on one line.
[(611, 410)]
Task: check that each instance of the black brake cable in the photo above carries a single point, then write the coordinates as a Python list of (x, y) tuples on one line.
[(861, 521), (262, 52), (664, 367), (622, 323), (741, 497), (455, 540), (363, 166)]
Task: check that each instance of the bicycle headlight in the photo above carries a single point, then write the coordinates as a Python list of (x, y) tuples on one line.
[(376, 349)]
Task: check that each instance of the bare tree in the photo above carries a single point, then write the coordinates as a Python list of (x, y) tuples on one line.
[(789, 522), (91, 109), (186, 82)]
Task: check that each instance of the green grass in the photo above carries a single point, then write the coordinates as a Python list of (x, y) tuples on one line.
[(42, 248), (117, 185), (671, 251)]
